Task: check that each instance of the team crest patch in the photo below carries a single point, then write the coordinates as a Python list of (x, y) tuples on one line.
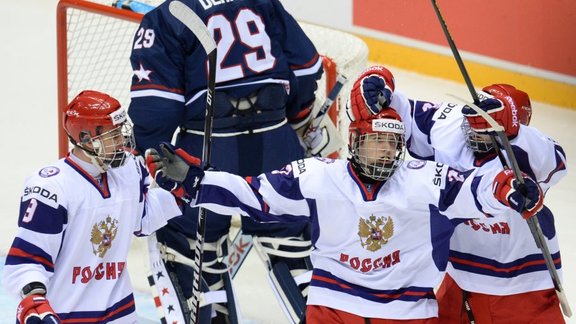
[(48, 171), (416, 164), (375, 232), (103, 233)]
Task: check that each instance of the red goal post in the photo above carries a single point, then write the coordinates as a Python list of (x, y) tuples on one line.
[(94, 40)]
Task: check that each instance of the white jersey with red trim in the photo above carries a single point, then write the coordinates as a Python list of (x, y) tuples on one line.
[(74, 235), (496, 256), (379, 250)]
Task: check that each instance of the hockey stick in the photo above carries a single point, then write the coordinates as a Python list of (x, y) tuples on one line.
[(533, 222), (189, 18), (328, 102)]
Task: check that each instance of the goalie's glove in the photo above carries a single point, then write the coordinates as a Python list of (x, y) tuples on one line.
[(35, 309), (315, 140), (175, 170), (372, 91), (500, 111), (506, 189)]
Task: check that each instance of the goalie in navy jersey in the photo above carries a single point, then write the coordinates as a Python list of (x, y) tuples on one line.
[(495, 265), (380, 227), (77, 218), (266, 76)]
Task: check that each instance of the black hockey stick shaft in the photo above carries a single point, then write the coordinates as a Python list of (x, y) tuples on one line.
[(533, 222), (332, 95), (191, 20), (456, 54), (463, 70)]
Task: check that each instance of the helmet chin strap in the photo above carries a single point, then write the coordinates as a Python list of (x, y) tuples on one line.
[(93, 158)]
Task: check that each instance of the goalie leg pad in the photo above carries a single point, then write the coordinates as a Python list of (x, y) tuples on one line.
[(289, 272), (169, 296), (287, 292), (218, 295)]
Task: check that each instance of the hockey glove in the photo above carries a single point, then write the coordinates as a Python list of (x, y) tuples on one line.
[(35, 309), (506, 190), (316, 139), (371, 92), (175, 171), (500, 111)]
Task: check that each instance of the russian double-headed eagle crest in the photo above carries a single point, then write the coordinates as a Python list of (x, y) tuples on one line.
[(375, 231), (103, 233)]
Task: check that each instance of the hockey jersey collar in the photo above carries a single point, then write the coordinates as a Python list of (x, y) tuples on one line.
[(369, 191), (101, 186)]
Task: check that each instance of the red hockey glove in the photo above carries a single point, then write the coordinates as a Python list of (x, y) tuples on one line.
[(505, 189), (176, 171), (500, 111), (372, 91), (35, 309)]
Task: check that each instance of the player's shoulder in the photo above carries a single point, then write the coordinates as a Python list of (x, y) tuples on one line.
[(422, 170), (50, 173), (314, 166), (47, 183), (430, 174)]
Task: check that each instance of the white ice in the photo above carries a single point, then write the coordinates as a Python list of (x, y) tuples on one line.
[(28, 133)]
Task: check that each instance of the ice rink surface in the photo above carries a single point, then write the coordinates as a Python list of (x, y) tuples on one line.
[(28, 137)]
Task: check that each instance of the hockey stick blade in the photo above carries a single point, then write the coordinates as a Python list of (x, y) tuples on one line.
[(191, 20), (533, 222), (340, 81)]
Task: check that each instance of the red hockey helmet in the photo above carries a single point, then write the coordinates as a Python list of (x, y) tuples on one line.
[(96, 123), (516, 99), (377, 144)]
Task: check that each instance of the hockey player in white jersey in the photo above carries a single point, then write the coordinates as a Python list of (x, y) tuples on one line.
[(381, 227), (495, 265), (77, 217)]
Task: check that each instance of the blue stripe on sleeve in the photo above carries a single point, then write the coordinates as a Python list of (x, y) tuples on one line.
[(24, 252), (41, 218), (480, 265)]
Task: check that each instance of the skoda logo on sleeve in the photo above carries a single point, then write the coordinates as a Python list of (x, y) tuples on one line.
[(48, 171)]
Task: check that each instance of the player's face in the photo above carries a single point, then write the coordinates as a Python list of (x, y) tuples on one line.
[(478, 143), (111, 147), (378, 148)]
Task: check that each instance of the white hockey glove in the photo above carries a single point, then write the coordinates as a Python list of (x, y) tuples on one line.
[(315, 139), (324, 140)]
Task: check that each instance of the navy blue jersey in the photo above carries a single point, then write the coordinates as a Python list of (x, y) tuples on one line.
[(259, 45)]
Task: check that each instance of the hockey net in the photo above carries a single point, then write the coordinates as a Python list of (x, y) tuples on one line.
[(94, 40)]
